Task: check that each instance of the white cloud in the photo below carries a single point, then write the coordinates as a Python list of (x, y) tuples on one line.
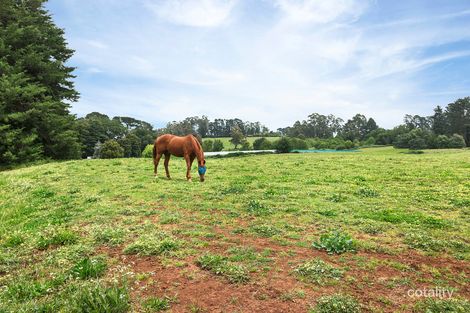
[(96, 44), (320, 11), (199, 13)]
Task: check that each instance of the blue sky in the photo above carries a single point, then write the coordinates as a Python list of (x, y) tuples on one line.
[(270, 61)]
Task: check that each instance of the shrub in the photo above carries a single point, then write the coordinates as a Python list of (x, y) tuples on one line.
[(89, 268), (370, 141), (148, 151), (441, 142), (337, 304), (414, 139), (262, 144), (101, 299), (346, 145), (417, 144), (456, 141), (283, 145), (207, 145), (335, 242), (218, 145), (298, 144), (317, 271), (111, 149), (245, 145)]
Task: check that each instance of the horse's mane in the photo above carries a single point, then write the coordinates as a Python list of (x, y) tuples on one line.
[(198, 144)]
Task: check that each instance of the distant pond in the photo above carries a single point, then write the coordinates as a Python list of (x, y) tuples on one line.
[(325, 150)]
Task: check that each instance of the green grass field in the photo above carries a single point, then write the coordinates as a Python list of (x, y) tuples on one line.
[(284, 232), (228, 146)]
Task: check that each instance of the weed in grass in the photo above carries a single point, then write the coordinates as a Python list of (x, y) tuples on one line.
[(169, 218), (335, 242), (98, 298), (255, 208), (154, 304), (337, 197), (460, 203), (423, 241), (317, 271), (366, 192), (399, 216), (265, 230), (24, 289), (194, 308), (249, 254), (154, 244), (234, 188), (219, 265), (43, 193), (89, 268), (56, 237), (7, 261), (13, 240), (290, 296), (373, 229), (328, 213), (432, 305), (337, 304), (109, 235)]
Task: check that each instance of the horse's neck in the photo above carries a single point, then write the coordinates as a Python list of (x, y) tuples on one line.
[(198, 149)]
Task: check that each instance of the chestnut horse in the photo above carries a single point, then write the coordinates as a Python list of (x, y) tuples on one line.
[(187, 147)]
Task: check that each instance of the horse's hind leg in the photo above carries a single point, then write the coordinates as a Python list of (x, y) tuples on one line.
[(167, 160), (155, 163)]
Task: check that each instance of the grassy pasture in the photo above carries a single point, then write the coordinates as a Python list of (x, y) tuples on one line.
[(228, 146), (294, 232)]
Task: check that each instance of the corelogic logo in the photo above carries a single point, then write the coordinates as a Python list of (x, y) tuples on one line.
[(436, 292)]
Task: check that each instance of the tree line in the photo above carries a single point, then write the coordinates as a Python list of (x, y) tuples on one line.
[(36, 89)]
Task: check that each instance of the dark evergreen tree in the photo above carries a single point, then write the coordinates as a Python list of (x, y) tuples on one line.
[(35, 86), (458, 117), (439, 121)]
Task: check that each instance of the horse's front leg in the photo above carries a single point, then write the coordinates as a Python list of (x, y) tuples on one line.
[(167, 160), (188, 168), (155, 163)]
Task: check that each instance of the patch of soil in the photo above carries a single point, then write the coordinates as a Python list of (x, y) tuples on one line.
[(274, 291)]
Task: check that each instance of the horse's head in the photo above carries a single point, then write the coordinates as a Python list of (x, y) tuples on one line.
[(201, 169)]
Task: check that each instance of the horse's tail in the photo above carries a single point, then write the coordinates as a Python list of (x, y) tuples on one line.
[(154, 149)]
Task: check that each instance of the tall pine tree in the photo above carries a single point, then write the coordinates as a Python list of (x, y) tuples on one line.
[(35, 86)]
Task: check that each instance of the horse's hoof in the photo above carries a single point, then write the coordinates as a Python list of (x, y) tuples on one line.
[(190, 180)]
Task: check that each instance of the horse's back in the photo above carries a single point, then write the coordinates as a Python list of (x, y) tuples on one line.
[(172, 144)]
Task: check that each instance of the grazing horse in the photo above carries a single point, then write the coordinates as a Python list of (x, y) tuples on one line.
[(187, 147)]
